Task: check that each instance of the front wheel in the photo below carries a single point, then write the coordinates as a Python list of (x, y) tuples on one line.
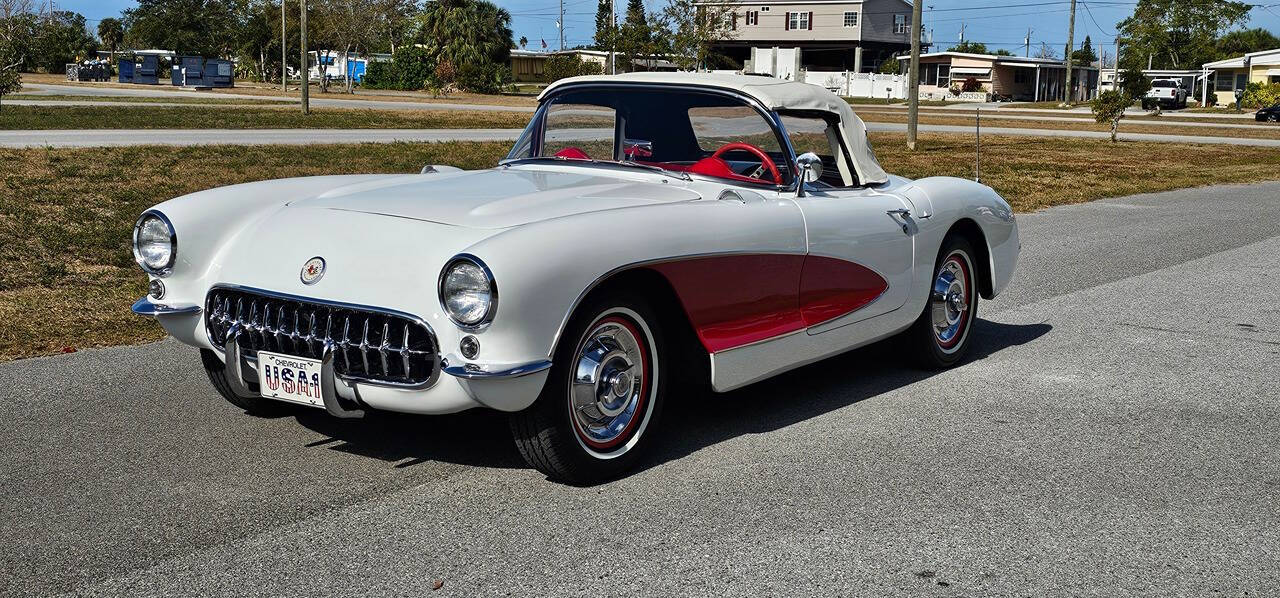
[(603, 395), (940, 336)]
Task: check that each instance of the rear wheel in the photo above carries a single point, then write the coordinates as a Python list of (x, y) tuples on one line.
[(217, 372), (1273, 117), (603, 395), (940, 336)]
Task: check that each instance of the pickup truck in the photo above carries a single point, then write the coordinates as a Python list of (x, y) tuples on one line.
[(1165, 93)]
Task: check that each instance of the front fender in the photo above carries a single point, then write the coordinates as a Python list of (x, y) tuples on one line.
[(543, 270), (950, 201)]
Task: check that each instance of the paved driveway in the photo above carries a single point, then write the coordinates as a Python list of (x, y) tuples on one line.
[(1115, 433)]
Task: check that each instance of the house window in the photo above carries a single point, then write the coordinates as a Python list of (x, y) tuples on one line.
[(900, 24), (1021, 76), (851, 18), (764, 9), (944, 75), (798, 20), (1222, 81), (753, 17)]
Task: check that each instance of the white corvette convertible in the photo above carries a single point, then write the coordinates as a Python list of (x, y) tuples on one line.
[(647, 233)]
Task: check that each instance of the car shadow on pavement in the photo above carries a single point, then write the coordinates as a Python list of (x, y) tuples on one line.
[(480, 437), (694, 422)]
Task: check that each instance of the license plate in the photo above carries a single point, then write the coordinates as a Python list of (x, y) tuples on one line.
[(289, 378)]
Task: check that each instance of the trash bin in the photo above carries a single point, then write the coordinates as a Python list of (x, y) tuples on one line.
[(126, 70), (147, 73), (219, 73), (192, 68)]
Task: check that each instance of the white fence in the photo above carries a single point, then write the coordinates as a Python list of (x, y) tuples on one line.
[(860, 85)]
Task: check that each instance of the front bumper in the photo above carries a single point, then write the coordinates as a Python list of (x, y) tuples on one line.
[(507, 388)]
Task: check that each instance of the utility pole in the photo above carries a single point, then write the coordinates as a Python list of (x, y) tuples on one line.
[(961, 29), (560, 25), (613, 34), (1026, 44), (913, 86), (1115, 68), (284, 53), (302, 65), (1071, 34)]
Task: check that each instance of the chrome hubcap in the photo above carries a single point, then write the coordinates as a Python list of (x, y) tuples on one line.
[(608, 384), (950, 300)]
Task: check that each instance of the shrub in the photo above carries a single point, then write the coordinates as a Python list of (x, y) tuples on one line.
[(971, 84), (1109, 108), (560, 67), (409, 70), (1260, 95), (483, 78)]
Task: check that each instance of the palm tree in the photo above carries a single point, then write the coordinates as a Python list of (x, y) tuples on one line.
[(463, 32), (111, 32)]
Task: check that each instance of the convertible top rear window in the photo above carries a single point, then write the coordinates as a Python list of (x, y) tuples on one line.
[(688, 131)]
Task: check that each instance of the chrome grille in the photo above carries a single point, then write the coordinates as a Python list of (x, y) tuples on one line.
[(368, 344)]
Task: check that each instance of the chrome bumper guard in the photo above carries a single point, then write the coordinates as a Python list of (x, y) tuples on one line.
[(336, 406), (472, 371), (144, 307)]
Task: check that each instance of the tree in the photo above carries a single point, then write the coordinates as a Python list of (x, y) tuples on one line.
[(635, 38), (1085, 54), (466, 32), (524, 41), (691, 30), (560, 67), (1046, 51), (969, 47), (892, 66), (1177, 34), (200, 27), (606, 32), (1237, 43), (61, 38), (1134, 83), (111, 33), (10, 78), (1003, 52), (1109, 107)]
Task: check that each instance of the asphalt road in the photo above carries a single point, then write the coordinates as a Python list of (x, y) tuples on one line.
[(1114, 434), (185, 137)]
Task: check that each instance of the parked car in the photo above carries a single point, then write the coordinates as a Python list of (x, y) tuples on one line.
[(1165, 93), (1270, 114), (647, 235)]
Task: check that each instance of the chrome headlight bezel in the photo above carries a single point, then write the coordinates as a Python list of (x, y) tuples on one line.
[(166, 268), (443, 293)]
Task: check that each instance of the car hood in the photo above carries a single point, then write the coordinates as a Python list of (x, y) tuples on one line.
[(499, 197)]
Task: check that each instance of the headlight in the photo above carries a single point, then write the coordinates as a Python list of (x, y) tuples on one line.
[(467, 292), (154, 244)]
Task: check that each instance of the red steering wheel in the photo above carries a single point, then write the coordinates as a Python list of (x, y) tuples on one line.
[(766, 163)]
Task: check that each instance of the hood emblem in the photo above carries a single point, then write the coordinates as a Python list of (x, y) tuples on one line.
[(313, 270)]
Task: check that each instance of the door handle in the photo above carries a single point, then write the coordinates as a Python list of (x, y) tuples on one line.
[(905, 213)]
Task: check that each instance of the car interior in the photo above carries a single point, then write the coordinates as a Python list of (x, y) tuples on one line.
[(703, 133)]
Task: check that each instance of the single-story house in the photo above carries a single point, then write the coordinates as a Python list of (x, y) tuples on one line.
[(527, 65), (1234, 73), (1015, 77)]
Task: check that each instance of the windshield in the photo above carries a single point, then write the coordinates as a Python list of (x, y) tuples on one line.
[(676, 130), (1163, 84)]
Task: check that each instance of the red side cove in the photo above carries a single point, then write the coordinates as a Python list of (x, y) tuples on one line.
[(735, 300)]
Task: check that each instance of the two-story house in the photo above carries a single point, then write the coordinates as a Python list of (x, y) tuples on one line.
[(854, 35)]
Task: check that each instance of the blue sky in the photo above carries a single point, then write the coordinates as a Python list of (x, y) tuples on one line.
[(997, 23)]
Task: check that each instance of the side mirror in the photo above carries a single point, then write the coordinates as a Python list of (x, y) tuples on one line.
[(809, 169)]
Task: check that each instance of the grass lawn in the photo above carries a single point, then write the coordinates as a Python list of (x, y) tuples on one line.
[(872, 101), (66, 214), (195, 99), (265, 117)]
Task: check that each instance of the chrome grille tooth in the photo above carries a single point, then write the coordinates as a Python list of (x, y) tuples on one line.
[(382, 350), (311, 332), (364, 347), (404, 351), (346, 340)]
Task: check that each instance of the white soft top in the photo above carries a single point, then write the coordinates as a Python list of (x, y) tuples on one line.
[(774, 94)]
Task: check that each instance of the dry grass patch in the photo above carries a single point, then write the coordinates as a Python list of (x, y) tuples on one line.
[(68, 276), (1127, 125)]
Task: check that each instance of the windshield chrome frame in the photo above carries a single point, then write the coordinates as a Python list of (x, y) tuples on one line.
[(770, 116)]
